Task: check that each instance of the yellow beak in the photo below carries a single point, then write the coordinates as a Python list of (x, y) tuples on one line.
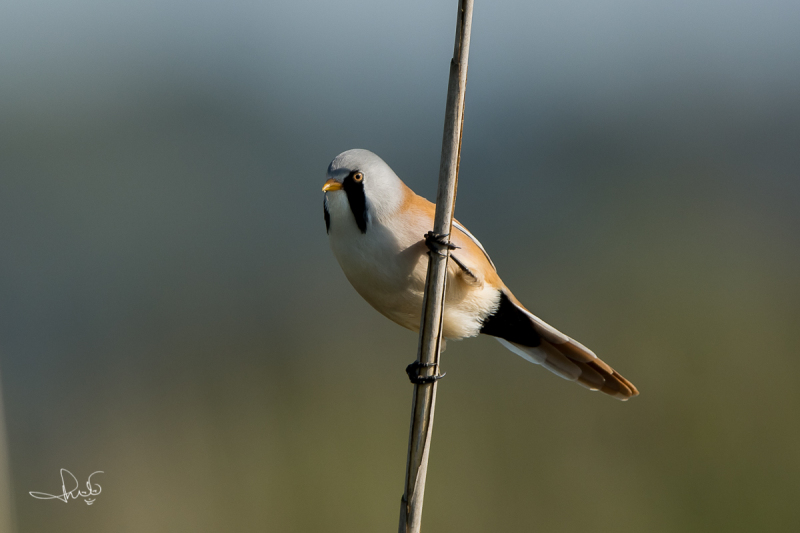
[(332, 185)]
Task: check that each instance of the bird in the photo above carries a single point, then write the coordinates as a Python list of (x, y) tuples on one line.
[(379, 232)]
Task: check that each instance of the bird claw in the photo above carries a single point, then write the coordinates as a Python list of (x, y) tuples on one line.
[(414, 376), (436, 242)]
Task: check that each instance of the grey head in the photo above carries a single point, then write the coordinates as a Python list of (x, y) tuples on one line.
[(360, 184)]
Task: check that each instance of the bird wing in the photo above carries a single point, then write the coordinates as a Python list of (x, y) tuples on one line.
[(465, 231), (470, 261)]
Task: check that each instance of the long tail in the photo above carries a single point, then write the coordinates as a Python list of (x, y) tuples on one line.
[(531, 338)]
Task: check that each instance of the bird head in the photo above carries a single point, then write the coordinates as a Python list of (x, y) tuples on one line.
[(361, 187)]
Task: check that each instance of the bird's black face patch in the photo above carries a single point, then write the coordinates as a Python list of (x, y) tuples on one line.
[(327, 215), (353, 186)]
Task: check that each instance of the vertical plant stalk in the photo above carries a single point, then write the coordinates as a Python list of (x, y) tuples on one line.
[(430, 336)]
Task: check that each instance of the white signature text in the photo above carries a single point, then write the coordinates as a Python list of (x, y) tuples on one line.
[(68, 479)]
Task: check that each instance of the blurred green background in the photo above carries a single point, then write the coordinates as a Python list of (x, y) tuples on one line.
[(171, 314)]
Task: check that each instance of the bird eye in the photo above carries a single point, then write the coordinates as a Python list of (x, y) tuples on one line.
[(357, 177)]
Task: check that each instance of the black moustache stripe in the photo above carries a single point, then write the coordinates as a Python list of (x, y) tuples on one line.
[(357, 200), (327, 215)]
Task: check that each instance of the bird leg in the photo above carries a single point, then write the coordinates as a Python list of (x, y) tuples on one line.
[(414, 376), (436, 242)]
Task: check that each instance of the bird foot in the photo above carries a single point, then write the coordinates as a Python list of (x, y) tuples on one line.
[(437, 242), (414, 376)]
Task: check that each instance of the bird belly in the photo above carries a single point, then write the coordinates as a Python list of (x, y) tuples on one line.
[(390, 276)]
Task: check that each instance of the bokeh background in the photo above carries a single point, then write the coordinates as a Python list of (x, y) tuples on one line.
[(171, 314)]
